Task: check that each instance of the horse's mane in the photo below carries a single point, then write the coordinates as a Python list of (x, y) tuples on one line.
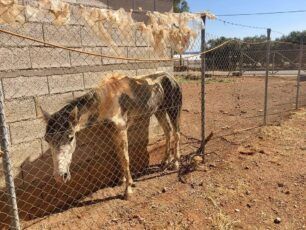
[(111, 85)]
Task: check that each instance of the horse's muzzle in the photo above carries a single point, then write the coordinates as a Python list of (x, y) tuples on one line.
[(62, 178)]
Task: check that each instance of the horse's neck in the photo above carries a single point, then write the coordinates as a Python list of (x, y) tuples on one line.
[(88, 110)]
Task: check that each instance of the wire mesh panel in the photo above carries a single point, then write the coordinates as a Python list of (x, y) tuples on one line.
[(105, 104), (87, 108), (302, 92)]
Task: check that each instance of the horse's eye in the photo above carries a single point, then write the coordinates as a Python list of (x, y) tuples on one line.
[(70, 139)]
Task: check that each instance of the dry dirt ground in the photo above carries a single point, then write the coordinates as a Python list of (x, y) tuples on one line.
[(253, 177)]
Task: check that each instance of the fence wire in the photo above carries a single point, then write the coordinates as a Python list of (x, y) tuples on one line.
[(86, 128), (80, 122)]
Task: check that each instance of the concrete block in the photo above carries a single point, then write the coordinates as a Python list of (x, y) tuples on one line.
[(140, 52), (141, 40), (167, 69), (89, 38), (92, 79), (75, 16), (93, 3), (52, 103), (20, 109), (41, 16), (33, 30), (164, 5), (125, 37), (114, 51), (154, 129), (69, 36), (15, 171), (79, 59), (77, 94), (14, 58), (24, 86), (29, 130), (44, 16), (116, 4), (25, 152), (130, 73), (43, 57), (145, 71), (45, 146), (65, 83)]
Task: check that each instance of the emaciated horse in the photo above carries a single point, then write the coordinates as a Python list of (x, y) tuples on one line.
[(117, 99)]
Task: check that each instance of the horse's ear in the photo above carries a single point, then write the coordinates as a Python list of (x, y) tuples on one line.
[(46, 115), (73, 117)]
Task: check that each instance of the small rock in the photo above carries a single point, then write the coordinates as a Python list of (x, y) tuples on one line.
[(249, 205), (295, 206), (277, 220), (164, 190), (222, 111), (201, 184), (246, 167), (243, 111), (212, 165), (262, 151), (279, 184), (287, 192), (197, 160), (237, 210), (303, 147), (245, 151), (248, 192)]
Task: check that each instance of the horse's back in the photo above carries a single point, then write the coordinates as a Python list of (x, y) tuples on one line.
[(152, 92)]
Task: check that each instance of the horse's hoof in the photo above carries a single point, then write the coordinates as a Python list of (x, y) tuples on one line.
[(176, 165), (128, 193)]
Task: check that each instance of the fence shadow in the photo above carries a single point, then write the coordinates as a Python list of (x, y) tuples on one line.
[(94, 166)]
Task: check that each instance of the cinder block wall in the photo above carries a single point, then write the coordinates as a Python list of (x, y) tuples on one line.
[(32, 74)]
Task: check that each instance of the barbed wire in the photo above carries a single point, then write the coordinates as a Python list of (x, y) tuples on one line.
[(261, 13)]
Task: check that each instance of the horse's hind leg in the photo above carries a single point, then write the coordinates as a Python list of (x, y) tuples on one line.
[(174, 115), (177, 155), (122, 144), (162, 120)]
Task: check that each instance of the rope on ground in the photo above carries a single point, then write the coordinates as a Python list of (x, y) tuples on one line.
[(190, 162)]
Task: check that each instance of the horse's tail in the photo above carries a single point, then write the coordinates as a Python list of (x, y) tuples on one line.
[(172, 100)]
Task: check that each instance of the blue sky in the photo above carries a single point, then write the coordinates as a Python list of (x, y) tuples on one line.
[(280, 22)]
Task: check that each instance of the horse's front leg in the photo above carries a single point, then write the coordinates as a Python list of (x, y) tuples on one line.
[(123, 155)]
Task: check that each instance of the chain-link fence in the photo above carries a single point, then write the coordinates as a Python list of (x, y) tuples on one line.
[(90, 102), (91, 106)]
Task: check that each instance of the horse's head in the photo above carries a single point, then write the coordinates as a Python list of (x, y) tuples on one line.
[(60, 135)]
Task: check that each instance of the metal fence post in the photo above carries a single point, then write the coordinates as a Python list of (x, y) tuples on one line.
[(299, 73), (267, 75), (9, 181), (273, 63), (203, 70), (240, 60)]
